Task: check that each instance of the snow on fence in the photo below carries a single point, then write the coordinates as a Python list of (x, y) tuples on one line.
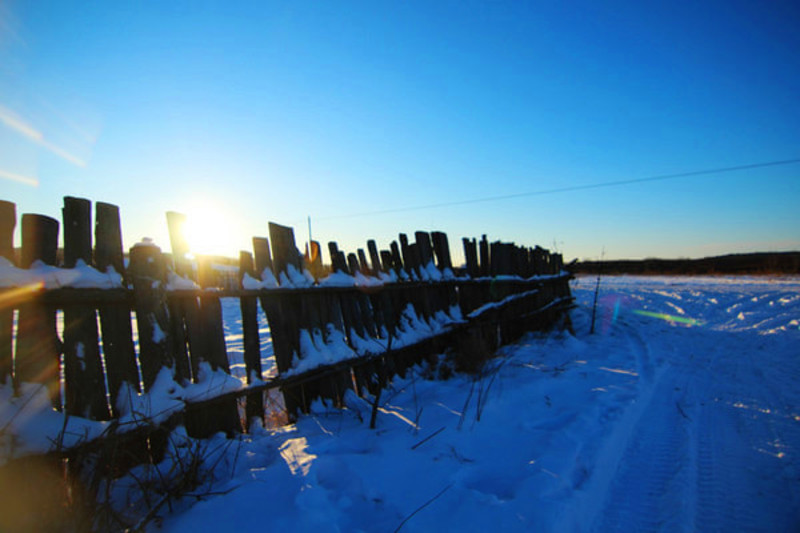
[(142, 342)]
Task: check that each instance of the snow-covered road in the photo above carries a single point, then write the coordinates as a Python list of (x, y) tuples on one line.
[(682, 413), (714, 447)]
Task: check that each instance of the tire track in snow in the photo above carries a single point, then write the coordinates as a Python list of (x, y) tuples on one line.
[(644, 360), (593, 475), (721, 505), (712, 443), (648, 491), (742, 427)]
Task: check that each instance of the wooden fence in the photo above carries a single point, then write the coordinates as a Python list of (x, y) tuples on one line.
[(353, 324)]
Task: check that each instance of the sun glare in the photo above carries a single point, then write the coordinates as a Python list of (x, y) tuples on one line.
[(210, 229)]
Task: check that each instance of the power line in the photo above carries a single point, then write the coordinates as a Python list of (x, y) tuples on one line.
[(720, 170)]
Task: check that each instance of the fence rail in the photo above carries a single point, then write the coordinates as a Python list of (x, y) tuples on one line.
[(352, 324)]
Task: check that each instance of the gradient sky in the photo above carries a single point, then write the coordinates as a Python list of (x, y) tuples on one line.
[(271, 111)]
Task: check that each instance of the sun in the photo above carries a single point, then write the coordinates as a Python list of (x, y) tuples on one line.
[(210, 229)]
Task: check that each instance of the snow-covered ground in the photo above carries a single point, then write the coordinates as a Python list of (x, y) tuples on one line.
[(681, 413)]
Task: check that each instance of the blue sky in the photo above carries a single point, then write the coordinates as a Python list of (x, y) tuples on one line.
[(270, 111)]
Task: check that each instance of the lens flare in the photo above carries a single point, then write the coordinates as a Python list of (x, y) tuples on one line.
[(22, 127), (27, 180), (670, 318), (13, 297)]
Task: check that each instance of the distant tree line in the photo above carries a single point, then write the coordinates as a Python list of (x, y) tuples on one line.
[(754, 263)]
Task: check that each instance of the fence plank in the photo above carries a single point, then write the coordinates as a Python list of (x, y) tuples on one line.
[(222, 416), (387, 261), (352, 263), (362, 260), (405, 250), (471, 257), (333, 330), (497, 261), (485, 267), (185, 327), (108, 238), (176, 224), (419, 298), (423, 242), (254, 406), (148, 273), (8, 221), (313, 260), (338, 264), (39, 240), (374, 257), (271, 306), (84, 383), (442, 249), (115, 319), (397, 258), (38, 348), (284, 250), (261, 255), (211, 314), (285, 313)]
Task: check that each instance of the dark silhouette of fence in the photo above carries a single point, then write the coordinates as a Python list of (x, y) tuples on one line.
[(350, 325)]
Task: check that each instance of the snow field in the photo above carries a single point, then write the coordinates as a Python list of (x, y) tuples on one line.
[(651, 424)]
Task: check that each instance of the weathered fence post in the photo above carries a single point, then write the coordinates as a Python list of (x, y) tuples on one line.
[(148, 273), (444, 263), (38, 347), (397, 258), (352, 263), (221, 416), (407, 255), (471, 257), (184, 313), (375, 258), (313, 259), (254, 407), (285, 313), (8, 221), (422, 255), (115, 318), (262, 258), (176, 223), (497, 261), (278, 323), (338, 262), (485, 267), (423, 241), (362, 261), (441, 248), (284, 250), (387, 261), (272, 309), (84, 384)]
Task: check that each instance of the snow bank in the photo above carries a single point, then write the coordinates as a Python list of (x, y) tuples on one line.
[(649, 424), (294, 278), (30, 425), (267, 281), (50, 277)]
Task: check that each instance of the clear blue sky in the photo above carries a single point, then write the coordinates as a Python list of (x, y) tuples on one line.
[(271, 111)]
